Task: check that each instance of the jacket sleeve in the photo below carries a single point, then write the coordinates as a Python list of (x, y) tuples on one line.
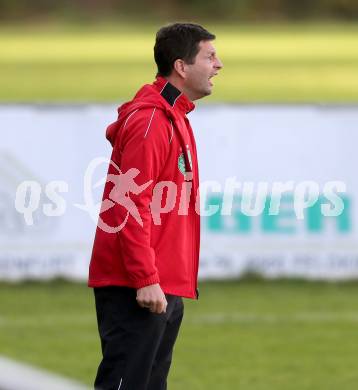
[(143, 144)]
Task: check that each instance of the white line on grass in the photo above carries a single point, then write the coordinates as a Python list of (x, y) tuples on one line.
[(298, 317), (18, 376)]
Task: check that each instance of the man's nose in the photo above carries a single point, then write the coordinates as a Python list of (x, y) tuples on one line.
[(219, 64)]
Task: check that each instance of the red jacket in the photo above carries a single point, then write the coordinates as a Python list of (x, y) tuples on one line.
[(154, 135)]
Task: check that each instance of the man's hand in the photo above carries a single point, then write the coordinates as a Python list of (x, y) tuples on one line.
[(153, 298)]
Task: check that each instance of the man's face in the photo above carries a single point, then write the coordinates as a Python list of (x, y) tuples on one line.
[(198, 75)]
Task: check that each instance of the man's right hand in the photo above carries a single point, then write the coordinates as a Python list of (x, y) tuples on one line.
[(153, 298)]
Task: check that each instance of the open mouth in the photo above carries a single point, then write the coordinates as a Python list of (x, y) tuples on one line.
[(210, 82)]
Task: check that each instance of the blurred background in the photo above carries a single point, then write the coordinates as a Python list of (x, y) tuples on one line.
[(277, 307)]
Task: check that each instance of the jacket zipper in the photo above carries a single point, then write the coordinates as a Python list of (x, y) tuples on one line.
[(195, 259)]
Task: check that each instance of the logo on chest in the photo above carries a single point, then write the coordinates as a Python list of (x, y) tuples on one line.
[(181, 161)]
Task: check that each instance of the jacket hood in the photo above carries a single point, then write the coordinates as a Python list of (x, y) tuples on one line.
[(146, 97)]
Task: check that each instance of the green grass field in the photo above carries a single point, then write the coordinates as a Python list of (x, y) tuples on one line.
[(251, 335), (273, 63)]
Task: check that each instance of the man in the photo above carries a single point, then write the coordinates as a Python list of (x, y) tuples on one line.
[(141, 270)]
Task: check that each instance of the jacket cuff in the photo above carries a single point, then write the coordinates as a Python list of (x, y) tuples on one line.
[(153, 279)]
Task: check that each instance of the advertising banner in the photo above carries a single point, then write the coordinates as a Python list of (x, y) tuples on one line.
[(278, 189)]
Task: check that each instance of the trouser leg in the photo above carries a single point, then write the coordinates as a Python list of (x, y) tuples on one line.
[(163, 358)]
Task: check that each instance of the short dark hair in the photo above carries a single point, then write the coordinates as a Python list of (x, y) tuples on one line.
[(178, 40)]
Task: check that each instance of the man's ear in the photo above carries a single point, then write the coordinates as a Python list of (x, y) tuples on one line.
[(180, 67)]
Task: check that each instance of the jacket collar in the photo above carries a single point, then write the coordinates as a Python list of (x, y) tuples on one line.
[(175, 98)]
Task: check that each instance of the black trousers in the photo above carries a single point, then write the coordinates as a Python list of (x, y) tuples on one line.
[(137, 345)]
